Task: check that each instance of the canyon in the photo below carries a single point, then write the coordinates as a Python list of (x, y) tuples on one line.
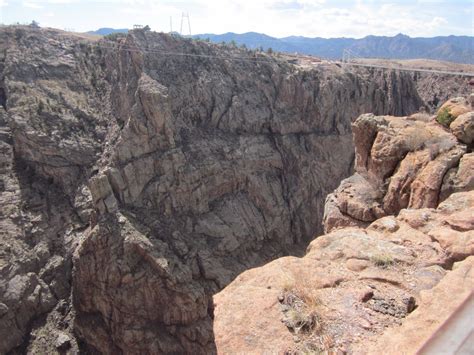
[(396, 260), (141, 174)]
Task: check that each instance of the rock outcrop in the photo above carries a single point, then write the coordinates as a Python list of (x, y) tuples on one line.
[(400, 162), (136, 183), (397, 262)]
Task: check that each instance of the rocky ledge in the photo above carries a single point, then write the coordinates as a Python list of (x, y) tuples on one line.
[(397, 259), (141, 173)]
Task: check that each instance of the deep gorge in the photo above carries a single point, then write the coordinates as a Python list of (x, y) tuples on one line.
[(138, 183)]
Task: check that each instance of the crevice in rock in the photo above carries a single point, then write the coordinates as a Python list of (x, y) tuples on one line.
[(3, 98)]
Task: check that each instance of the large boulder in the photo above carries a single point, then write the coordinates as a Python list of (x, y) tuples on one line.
[(463, 127)]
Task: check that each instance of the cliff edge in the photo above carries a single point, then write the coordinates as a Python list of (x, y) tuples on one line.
[(141, 173), (397, 258)]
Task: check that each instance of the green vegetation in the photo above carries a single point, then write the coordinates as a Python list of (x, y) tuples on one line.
[(444, 117), (115, 36)]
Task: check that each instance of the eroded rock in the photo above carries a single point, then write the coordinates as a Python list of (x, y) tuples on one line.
[(166, 177), (400, 163)]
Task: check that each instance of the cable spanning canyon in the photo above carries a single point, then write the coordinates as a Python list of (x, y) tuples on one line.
[(136, 185)]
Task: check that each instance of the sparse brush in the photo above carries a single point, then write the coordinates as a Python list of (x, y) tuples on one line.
[(382, 260), (302, 320), (303, 289), (416, 138), (439, 145), (307, 293), (444, 117), (300, 296)]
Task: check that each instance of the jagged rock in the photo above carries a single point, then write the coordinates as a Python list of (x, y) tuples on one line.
[(359, 283), (165, 177), (225, 175), (400, 163), (458, 178), (354, 203), (102, 194), (63, 341), (133, 279)]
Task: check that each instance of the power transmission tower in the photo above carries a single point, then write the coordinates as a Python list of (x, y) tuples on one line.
[(185, 16), (171, 24), (349, 56)]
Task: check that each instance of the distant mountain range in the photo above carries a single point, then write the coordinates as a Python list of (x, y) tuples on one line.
[(452, 48), (104, 31), (458, 49)]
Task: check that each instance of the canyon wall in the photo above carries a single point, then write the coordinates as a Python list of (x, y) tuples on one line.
[(140, 175), (397, 260)]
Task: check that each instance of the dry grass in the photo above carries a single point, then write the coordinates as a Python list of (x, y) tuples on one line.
[(301, 304), (382, 260), (300, 286), (302, 309), (440, 144), (416, 138)]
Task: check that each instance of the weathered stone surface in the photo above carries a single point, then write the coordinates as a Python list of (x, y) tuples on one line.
[(354, 203), (165, 177), (459, 178), (456, 106), (366, 290), (434, 307), (463, 127), (360, 283), (400, 162), (137, 278)]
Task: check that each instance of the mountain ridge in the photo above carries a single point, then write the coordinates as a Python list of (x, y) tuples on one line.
[(458, 49), (452, 48)]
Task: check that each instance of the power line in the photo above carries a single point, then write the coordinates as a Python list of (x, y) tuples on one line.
[(347, 59), (113, 45)]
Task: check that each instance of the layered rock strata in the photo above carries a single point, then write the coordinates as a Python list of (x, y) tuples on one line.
[(402, 162), (397, 262), (140, 174)]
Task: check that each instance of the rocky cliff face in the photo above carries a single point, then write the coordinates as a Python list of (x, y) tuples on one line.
[(411, 162), (398, 259), (140, 176)]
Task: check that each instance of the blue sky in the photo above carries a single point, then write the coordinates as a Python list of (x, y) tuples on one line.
[(312, 18)]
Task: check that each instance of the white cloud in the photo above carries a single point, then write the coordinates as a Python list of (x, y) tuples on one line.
[(32, 4), (312, 18)]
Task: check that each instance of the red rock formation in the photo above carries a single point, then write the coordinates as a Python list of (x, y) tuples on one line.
[(383, 280), (401, 162)]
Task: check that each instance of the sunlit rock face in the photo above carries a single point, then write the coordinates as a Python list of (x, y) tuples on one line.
[(136, 183)]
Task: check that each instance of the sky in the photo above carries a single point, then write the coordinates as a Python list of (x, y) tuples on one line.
[(278, 18)]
